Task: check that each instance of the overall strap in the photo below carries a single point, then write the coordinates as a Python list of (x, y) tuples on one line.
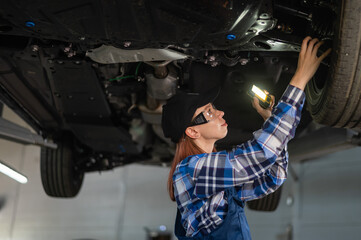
[(234, 226), (178, 228)]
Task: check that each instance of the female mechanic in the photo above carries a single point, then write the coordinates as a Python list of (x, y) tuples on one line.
[(211, 187)]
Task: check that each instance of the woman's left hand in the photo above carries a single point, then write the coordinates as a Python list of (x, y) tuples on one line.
[(308, 62), (265, 113)]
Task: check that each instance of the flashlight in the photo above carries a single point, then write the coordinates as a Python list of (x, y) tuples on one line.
[(264, 99)]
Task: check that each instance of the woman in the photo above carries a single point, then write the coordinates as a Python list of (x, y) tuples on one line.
[(211, 187)]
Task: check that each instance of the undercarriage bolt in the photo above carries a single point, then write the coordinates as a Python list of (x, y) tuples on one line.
[(34, 48), (71, 54), (231, 36), (214, 64), (30, 24), (127, 44), (243, 61), (264, 15)]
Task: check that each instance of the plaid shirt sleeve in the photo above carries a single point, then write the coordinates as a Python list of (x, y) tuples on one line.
[(256, 167)]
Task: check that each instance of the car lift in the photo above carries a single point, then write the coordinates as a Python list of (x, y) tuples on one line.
[(322, 140), (16, 133)]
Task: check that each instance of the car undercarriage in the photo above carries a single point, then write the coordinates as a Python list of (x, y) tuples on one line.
[(92, 76)]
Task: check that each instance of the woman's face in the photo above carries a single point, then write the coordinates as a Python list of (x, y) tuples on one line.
[(216, 127)]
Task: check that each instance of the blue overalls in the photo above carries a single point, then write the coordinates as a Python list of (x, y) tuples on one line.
[(234, 227)]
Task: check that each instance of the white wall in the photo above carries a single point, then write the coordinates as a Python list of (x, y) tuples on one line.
[(112, 205), (326, 201)]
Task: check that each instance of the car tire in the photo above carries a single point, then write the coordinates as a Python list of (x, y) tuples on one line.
[(269, 203), (59, 175), (336, 102)]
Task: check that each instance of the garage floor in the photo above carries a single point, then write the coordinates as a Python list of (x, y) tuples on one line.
[(325, 202)]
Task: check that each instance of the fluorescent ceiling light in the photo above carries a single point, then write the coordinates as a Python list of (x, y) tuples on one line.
[(12, 173)]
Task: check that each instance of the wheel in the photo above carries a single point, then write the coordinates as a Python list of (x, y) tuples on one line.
[(59, 175), (336, 100), (268, 203)]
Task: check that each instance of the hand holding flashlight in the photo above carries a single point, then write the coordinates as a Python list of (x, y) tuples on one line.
[(262, 95), (263, 102)]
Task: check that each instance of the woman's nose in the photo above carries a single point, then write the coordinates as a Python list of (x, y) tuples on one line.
[(220, 113)]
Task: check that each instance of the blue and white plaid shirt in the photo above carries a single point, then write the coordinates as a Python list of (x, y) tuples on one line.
[(256, 168)]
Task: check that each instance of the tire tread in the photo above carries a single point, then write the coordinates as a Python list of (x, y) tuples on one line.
[(57, 173)]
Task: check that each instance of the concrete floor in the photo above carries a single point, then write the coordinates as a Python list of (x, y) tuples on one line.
[(325, 202)]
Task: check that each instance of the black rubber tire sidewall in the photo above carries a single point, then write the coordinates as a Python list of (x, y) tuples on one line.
[(269, 203), (58, 174), (337, 103)]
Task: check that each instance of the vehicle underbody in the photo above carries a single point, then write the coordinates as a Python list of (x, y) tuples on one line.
[(98, 72)]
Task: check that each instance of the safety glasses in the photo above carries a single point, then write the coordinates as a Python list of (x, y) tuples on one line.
[(205, 116)]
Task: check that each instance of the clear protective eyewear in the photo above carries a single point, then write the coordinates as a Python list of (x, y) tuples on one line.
[(205, 116)]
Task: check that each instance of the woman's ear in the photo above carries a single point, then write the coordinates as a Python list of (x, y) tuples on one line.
[(192, 132)]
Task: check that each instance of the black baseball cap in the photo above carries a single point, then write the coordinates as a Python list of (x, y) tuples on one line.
[(179, 110)]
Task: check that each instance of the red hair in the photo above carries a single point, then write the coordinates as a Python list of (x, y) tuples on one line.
[(185, 147)]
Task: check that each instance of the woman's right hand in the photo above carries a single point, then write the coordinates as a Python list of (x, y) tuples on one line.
[(308, 62), (265, 113)]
